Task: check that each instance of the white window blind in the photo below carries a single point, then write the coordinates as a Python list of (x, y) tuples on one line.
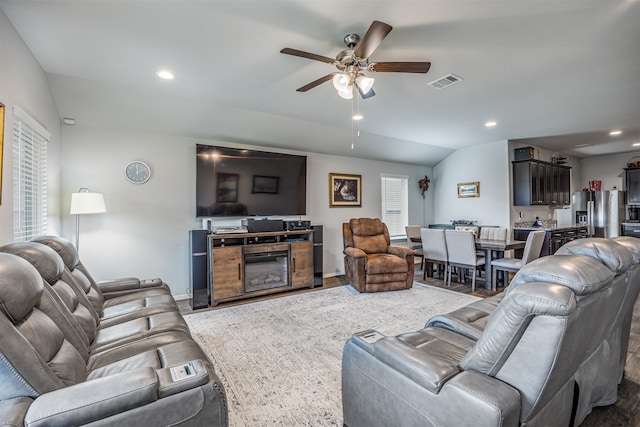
[(29, 176), (395, 204)]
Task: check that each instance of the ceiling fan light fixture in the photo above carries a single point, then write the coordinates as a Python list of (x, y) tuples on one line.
[(341, 81), (365, 84), (346, 93)]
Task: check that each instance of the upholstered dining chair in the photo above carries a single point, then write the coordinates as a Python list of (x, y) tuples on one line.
[(493, 233), (413, 240), (371, 264), (461, 247), (532, 249), (434, 248)]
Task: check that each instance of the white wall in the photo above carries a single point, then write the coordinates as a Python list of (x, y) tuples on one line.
[(24, 83), (608, 169), (487, 164), (145, 231)]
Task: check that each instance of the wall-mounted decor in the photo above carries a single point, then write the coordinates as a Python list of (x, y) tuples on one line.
[(1, 145), (265, 184), (423, 184), (227, 187), (345, 190), (469, 189)]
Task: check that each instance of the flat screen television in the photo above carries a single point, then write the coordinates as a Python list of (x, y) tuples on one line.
[(234, 182)]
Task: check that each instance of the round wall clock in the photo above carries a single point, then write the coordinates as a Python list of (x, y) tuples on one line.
[(137, 172)]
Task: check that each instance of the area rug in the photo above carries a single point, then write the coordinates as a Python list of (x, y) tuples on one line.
[(280, 359)]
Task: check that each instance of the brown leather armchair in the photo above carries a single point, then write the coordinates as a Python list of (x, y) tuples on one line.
[(371, 263)]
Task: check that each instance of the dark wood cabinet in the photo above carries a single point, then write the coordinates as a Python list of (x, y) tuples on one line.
[(632, 230), (633, 186), (554, 239), (541, 183)]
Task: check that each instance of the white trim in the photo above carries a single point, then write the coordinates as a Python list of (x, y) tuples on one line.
[(31, 122)]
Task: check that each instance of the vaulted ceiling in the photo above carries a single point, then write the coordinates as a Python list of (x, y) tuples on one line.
[(558, 73)]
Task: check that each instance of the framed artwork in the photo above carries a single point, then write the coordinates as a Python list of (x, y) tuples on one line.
[(226, 187), (1, 145), (345, 190), (265, 184), (469, 189)]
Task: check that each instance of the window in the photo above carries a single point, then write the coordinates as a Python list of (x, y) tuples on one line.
[(29, 177), (395, 204)]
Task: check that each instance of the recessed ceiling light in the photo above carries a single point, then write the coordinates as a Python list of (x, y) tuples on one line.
[(637, 144), (580, 145), (490, 124), (164, 74), (69, 121), (358, 117), (615, 132)]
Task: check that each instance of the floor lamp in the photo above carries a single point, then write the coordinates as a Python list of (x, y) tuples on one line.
[(85, 202)]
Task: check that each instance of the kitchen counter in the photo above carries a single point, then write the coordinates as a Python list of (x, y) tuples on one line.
[(555, 235), (551, 227)]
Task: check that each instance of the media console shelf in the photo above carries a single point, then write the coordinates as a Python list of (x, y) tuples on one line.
[(245, 265)]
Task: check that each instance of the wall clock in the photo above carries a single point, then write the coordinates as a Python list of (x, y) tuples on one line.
[(137, 172)]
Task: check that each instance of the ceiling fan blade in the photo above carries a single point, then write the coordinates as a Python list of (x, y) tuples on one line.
[(400, 67), (372, 39), (315, 83), (302, 54)]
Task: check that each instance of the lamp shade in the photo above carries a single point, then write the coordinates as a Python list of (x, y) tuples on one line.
[(87, 203), (364, 83)]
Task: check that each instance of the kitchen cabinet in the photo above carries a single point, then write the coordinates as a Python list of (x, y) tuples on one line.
[(541, 183), (554, 238), (631, 229), (633, 186)]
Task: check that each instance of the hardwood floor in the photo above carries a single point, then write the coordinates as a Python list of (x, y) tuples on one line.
[(624, 413)]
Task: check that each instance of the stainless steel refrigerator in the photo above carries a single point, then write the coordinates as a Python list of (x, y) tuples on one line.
[(602, 211)]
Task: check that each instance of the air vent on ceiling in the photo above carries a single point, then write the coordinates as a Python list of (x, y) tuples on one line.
[(446, 81)]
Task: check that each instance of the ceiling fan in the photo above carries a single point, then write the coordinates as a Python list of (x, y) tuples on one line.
[(352, 61)]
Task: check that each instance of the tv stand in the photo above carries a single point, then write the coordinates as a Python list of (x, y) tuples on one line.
[(245, 265)]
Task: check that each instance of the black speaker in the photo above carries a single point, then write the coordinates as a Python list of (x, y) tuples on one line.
[(199, 268), (317, 255)]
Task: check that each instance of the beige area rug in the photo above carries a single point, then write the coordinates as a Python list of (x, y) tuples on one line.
[(280, 359)]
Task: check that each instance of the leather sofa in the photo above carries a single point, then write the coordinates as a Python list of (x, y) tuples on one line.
[(74, 352), (542, 353), (371, 264)]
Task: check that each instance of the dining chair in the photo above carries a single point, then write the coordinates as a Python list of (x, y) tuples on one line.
[(414, 242), (434, 248), (532, 249), (493, 233), (461, 247), (471, 228)]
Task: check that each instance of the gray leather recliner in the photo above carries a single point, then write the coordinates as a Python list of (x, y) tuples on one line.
[(544, 353), (59, 366)]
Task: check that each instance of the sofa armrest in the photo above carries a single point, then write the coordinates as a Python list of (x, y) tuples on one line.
[(95, 399), (400, 251), (191, 375), (127, 285), (12, 411), (354, 252)]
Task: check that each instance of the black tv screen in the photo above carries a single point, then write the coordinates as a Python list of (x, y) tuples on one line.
[(238, 182)]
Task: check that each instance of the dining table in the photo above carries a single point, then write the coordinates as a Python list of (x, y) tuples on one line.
[(498, 247), (491, 247)]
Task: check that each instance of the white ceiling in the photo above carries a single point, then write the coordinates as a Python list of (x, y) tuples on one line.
[(554, 73)]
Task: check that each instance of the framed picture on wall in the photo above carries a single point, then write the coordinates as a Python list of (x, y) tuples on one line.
[(265, 184), (345, 190), (469, 189), (227, 187)]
